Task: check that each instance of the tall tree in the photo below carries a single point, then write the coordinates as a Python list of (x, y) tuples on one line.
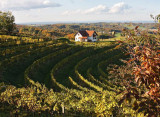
[(7, 24)]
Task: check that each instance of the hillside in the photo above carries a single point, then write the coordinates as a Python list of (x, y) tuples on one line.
[(45, 73)]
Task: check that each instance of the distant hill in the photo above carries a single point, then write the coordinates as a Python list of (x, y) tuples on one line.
[(69, 22)]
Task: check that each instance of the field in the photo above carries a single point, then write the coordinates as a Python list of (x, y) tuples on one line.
[(73, 75)]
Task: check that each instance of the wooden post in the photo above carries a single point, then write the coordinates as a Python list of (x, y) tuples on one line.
[(63, 109)]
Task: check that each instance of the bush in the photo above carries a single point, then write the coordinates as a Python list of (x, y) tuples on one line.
[(145, 71), (63, 40)]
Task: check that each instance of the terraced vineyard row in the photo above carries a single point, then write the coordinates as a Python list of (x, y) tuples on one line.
[(14, 67), (75, 76), (7, 41)]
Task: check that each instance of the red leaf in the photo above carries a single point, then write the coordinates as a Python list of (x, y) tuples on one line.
[(127, 53), (131, 60), (158, 50), (117, 46), (136, 27)]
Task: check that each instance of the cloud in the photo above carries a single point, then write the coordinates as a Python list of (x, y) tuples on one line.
[(119, 8), (72, 12), (116, 8), (26, 4), (97, 9)]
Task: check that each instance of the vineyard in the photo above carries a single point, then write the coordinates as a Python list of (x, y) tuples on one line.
[(49, 78)]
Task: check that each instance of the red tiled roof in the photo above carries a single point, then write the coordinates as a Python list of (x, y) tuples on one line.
[(90, 32), (87, 33), (84, 33)]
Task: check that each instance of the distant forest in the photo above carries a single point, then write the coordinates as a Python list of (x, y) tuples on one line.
[(68, 30)]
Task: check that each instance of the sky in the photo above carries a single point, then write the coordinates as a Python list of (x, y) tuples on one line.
[(26, 11)]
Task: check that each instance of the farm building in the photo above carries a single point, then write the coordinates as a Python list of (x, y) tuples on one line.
[(86, 36)]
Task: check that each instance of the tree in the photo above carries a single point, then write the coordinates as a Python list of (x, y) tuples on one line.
[(7, 24), (71, 36), (145, 59), (156, 18)]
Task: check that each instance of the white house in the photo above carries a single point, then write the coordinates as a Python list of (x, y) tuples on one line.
[(86, 36)]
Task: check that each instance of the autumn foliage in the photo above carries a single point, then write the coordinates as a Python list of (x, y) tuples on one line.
[(145, 58), (71, 36)]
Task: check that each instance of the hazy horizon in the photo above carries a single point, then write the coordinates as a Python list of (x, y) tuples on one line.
[(74, 22)]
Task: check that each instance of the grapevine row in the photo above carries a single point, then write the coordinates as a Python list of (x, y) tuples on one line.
[(44, 60), (60, 64)]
